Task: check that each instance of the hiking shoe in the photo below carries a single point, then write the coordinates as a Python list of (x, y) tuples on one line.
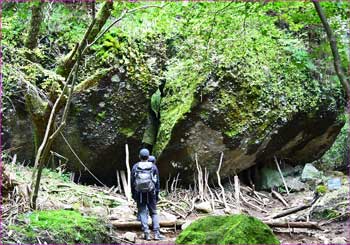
[(147, 236), (158, 236)]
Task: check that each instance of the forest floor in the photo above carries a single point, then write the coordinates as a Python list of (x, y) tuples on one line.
[(178, 207)]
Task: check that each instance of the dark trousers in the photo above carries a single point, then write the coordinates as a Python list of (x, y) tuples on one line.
[(148, 203)]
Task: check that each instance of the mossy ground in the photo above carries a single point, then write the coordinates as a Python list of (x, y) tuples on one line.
[(235, 229), (60, 226)]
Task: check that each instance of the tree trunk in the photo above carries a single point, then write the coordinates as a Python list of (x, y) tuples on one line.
[(31, 41), (337, 65), (102, 16), (39, 112), (333, 44)]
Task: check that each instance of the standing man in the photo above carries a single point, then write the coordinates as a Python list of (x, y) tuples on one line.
[(145, 191)]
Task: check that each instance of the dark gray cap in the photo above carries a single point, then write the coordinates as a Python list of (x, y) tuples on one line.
[(144, 153)]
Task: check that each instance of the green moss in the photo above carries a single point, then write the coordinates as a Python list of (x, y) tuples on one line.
[(50, 174), (180, 97), (321, 189), (60, 226), (336, 155), (128, 132), (247, 87), (92, 80), (329, 214), (35, 105), (235, 229)]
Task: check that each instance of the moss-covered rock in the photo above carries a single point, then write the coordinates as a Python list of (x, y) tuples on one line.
[(59, 227), (250, 99), (110, 108), (332, 203), (235, 229)]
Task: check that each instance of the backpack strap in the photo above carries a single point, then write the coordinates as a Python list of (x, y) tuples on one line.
[(144, 165)]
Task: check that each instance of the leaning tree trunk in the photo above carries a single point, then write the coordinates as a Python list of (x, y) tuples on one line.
[(68, 61), (31, 41), (337, 66), (42, 155), (333, 44), (39, 112)]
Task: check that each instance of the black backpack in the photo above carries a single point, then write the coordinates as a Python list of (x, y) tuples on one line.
[(144, 179)]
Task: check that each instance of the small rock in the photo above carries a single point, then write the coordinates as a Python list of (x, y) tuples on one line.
[(203, 207), (165, 216), (324, 239), (122, 212), (339, 240), (269, 178), (310, 173), (130, 236), (219, 212), (295, 184), (115, 78), (68, 207), (99, 211)]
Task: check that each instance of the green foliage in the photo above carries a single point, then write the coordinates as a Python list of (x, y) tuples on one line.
[(321, 189), (155, 102), (235, 229), (15, 19), (335, 156), (101, 116), (329, 214), (60, 226)]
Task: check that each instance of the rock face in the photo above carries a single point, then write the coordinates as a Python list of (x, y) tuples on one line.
[(235, 229), (242, 121), (103, 119), (17, 133)]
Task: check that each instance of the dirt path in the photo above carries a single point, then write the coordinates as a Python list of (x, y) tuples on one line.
[(336, 232), (59, 193)]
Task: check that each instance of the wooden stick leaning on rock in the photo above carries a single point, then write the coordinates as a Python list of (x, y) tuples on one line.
[(219, 182), (206, 173), (200, 179), (281, 174)]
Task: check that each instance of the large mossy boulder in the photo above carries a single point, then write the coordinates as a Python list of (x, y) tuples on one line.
[(252, 99), (59, 227), (235, 229)]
